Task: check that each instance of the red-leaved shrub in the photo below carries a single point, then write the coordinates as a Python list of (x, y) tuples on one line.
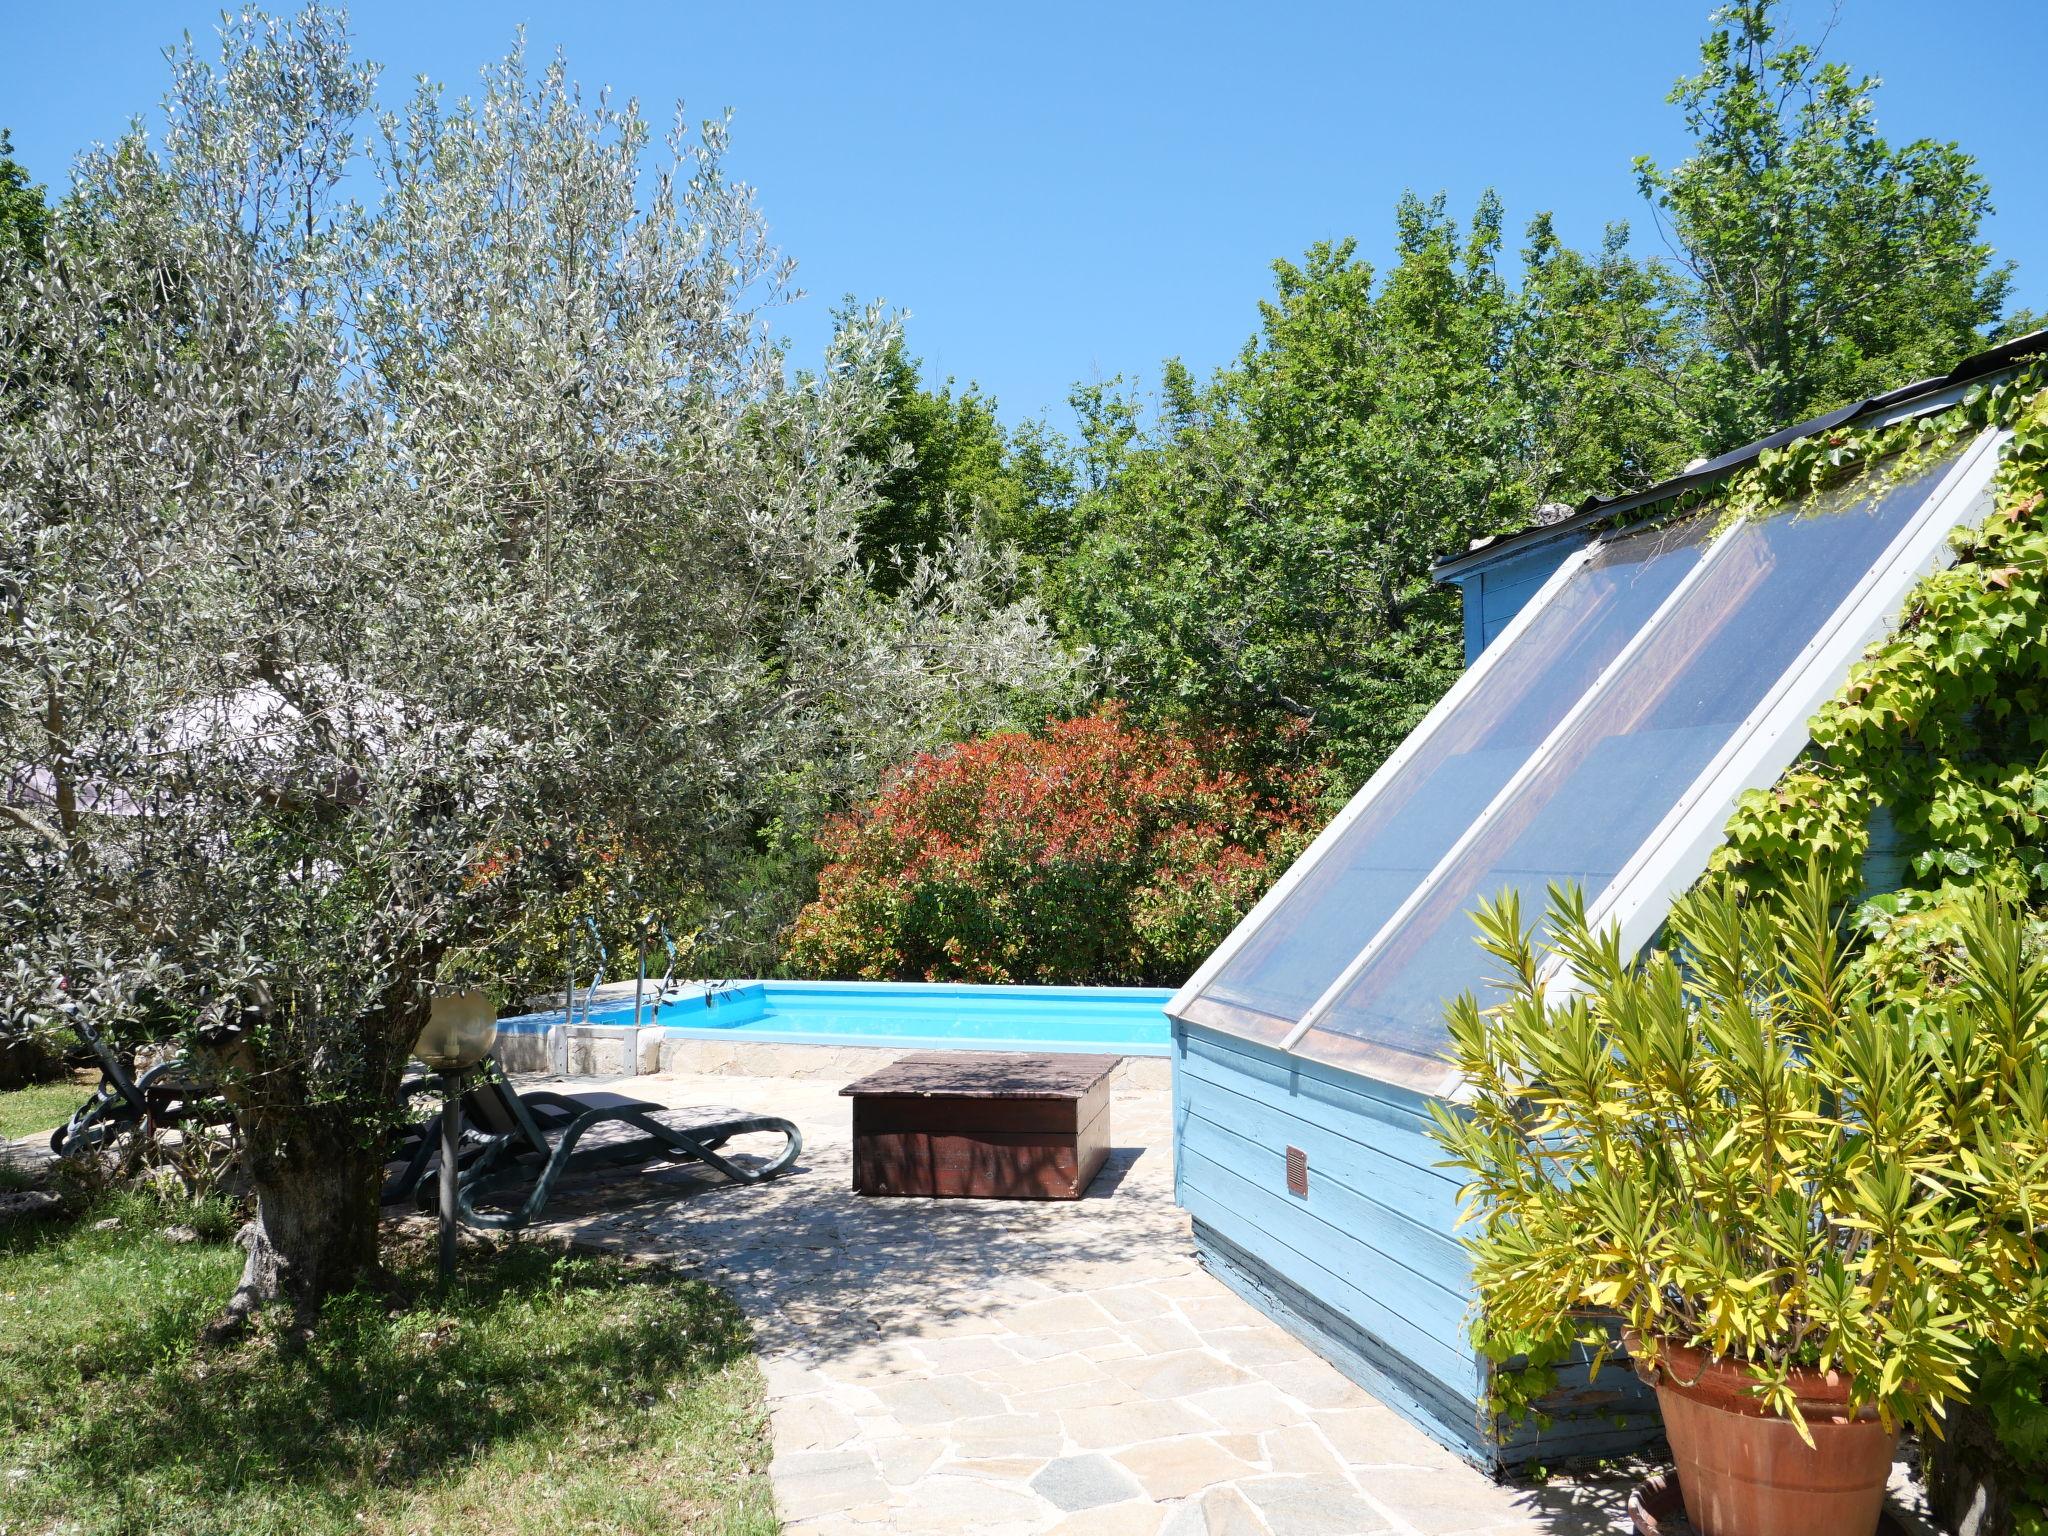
[(1096, 853)]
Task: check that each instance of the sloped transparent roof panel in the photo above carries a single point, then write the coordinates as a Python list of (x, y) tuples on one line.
[(1409, 819), (1644, 734), (1657, 674)]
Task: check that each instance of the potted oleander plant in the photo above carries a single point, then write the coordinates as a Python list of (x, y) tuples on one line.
[(1799, 1202)]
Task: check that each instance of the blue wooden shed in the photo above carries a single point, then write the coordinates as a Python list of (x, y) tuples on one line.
[(1631, 672)]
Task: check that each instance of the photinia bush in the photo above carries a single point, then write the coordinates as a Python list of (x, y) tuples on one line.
[(1096, 852)]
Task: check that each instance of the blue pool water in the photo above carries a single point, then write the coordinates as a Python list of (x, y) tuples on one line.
[(1125, 1021)]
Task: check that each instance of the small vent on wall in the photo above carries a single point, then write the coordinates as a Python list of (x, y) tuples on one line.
[(1297, 1172)]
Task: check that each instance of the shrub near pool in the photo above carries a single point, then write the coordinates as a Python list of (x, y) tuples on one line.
[(543, 1393), (1099, 853)]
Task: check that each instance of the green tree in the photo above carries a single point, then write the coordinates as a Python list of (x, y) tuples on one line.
[(423, 554), (1817, 264), (24, 215), (1047, 474), (1596, 363), (24, 221), (1262, 542), (942, 461), (1262, 547)]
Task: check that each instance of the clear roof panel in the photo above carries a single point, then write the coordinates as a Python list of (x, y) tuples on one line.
[(1415, 817), (1645, 735)]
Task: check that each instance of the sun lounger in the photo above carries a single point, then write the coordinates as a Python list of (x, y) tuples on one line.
[(412, 1151), (530, 1141), (166, 1095)]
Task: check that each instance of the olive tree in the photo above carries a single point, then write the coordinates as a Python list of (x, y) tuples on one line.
[(410, 506)]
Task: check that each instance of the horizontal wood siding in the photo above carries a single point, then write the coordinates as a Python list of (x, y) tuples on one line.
[(1504, 588), (1468, 606), (1888, 860), (1494, 594), (1446, 1415), (1364, 1266)]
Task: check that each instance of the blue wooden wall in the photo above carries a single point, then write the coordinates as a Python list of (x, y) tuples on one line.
[(1495, 592), (1365, 1268)]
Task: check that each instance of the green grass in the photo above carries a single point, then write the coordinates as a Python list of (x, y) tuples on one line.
[(40, 1106), (543, 1393)]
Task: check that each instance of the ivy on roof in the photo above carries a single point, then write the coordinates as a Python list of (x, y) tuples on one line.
[(1945, 724)]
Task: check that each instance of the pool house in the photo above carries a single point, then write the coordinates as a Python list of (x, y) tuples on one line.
[(1632, 668)]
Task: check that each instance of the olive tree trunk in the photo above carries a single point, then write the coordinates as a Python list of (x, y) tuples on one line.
[(315, 1177), (314, 1156)]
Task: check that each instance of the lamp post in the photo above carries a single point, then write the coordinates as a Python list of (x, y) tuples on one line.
[(460, 1031)]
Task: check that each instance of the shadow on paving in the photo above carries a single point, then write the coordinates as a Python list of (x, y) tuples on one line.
[(1595, 1501), (851, 1289), (818, 1266)]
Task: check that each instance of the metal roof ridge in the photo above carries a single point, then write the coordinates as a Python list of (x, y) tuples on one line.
[(1597, 509)]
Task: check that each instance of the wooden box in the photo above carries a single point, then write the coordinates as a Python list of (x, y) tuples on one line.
[(982, 1125)]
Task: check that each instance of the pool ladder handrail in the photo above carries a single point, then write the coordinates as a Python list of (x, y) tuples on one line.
[(561, 1063), (666, 990), (596, 977), (668, 981), (669, 987)]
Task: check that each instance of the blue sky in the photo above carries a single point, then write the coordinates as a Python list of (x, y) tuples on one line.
[(1068, 191)]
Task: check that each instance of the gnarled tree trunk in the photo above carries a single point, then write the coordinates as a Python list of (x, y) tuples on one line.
[(313, 1156), (316, 1177)]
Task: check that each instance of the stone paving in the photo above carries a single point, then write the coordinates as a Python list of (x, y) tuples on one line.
[(1018, 1367)]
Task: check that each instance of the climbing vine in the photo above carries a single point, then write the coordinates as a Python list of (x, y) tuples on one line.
[(1940, 735), (1941, 725)]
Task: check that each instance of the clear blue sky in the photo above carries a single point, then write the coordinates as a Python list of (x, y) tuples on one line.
[(1067, 191)]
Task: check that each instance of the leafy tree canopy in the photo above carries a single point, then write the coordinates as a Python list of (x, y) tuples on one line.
[(1817, 263), (1256, 545), (939, 457), (372, 570), (1261, 549), (24, 215)]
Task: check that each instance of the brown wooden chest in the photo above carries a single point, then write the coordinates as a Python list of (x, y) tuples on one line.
[(982, 1124)]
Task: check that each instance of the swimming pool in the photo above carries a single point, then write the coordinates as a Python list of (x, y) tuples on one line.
[(1122, 1021)]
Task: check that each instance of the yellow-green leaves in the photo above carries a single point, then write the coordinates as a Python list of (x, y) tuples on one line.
[(1748, 1144)]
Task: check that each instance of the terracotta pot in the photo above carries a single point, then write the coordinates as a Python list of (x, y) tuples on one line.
[(1744, 1470)]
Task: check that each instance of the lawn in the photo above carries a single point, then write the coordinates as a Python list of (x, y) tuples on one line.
[(544, 1393), (41, 1106)]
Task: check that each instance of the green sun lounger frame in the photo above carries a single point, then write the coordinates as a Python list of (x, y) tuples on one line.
[(538, 1137), (166, 1095)]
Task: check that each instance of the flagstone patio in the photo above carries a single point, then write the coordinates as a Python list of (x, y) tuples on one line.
[(1008, 1367)]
